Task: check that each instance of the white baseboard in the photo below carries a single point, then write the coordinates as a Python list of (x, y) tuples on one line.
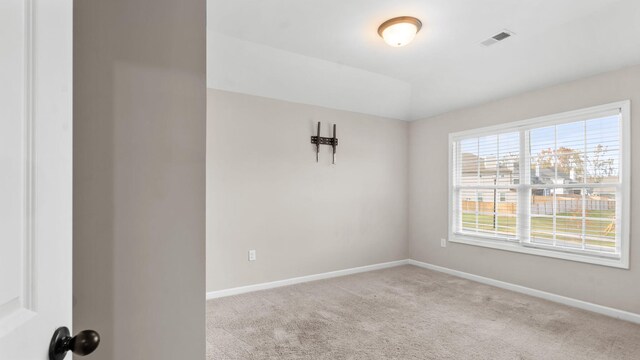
[(604, 310), (302, 279)]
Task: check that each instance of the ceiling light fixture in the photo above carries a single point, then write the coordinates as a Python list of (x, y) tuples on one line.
[(399, 31)]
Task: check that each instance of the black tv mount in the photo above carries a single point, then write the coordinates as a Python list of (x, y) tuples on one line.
[(318, 140)]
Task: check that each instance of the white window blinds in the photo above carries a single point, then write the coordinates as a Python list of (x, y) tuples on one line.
[(554, 184), (487, 174)]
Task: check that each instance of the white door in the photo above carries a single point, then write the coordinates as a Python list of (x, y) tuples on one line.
[(35, 174)]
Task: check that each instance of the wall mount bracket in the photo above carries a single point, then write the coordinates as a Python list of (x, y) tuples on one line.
[(324, 140), (319, 140)]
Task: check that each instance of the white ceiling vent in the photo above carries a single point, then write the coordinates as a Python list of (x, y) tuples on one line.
[(498, 37)]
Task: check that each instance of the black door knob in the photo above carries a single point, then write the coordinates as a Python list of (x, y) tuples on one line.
[(82, 344)]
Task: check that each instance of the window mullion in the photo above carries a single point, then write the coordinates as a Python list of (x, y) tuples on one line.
[(585, 163), (478, 182), (555, 182), (496, 222), (584, 218), (523, 208)]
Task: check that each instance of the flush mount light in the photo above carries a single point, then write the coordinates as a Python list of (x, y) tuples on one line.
[(399, 31)]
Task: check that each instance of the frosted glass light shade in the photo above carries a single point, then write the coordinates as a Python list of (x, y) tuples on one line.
[(399, 31)]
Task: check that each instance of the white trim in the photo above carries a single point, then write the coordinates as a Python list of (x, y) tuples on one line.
[(623, 198), (604, 310), (599, 309), (539, 251), (22, 309), (624, 223), (542, 121), (14, 320), (302, 279), (28, 280)]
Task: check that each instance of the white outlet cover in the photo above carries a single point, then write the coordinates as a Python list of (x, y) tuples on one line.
[(252, 255), (443, 242)]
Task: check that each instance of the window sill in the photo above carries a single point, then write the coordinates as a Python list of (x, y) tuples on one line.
[(622, 263)]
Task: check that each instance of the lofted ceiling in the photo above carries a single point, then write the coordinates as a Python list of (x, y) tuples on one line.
[(328, 52)]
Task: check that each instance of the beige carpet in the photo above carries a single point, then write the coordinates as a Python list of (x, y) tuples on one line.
[(409, 313)]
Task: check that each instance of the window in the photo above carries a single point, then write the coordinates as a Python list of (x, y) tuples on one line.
[(555, 186)]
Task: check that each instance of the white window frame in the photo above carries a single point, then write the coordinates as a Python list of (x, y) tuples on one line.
[(623, 198)]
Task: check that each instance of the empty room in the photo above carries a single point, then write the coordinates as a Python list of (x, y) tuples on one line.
[(320, 180), (422, 179)]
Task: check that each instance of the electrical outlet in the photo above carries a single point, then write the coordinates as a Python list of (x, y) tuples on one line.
[(443, 242), (252, 255)]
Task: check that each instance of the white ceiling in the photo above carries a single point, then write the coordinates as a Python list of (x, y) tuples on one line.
[(271, 47)]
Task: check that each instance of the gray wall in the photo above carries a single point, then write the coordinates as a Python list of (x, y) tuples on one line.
[(266, 192), (429, 193), (139, 174)]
